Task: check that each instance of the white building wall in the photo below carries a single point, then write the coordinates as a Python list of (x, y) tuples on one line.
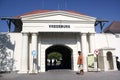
[(16, 39), (50, 39), (107, 41), (44, 27), (71, 40)]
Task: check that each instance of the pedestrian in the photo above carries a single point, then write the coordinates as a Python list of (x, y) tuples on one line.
[(55, 62), (118, 63), (80, 63)]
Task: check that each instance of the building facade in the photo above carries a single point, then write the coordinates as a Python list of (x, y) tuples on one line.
[(65, 32)]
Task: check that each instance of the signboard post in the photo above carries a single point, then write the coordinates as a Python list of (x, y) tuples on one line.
[(34, 54), (96, 51)]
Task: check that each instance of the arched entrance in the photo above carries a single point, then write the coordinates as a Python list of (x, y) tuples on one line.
[(110, 60), (63, 60)]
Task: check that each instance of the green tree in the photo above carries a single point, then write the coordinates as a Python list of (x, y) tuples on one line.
[(6, 62), (54, 55)]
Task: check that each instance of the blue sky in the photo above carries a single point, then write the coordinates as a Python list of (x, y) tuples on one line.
[(101, 9)]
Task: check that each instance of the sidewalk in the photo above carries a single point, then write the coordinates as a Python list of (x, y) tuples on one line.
[(62, 75)]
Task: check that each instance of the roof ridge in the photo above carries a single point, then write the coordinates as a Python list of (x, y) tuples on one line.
[(44, 11)]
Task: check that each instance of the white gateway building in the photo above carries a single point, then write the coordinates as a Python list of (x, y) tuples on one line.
[(64, 32)]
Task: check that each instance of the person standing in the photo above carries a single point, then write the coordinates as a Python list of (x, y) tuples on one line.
[(80, 63), (118, 63)]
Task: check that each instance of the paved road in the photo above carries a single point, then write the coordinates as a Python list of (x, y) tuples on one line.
[(62, 75)]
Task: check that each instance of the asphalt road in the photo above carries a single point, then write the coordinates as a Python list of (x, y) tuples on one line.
[(62, 75)]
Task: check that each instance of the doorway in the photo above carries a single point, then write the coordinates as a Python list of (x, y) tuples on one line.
[(58, 57), (110, 60)]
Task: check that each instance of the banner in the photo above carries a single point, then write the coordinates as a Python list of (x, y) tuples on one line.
[(90, 62)]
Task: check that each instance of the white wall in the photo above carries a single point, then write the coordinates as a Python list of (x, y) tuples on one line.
[(108, 41), (41, 22), (68, 39), (44, 27), (50, 39)]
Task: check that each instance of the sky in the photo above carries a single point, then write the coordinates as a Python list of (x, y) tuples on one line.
[(100, 9)]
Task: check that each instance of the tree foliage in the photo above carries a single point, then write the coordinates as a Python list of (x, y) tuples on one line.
[(6, 63), (54, 55)]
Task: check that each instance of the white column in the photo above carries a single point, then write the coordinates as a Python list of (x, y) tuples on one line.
[(92, 48), (85, 51), (114, 62), (24, 56), (39, 54), (43, 59), (30, 58), (75, 56), (92, 42), (78, 42), (105, 63), (34, 48), (34, 41)]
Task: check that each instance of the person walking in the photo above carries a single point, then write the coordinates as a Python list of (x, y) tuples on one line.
[(80, 63)]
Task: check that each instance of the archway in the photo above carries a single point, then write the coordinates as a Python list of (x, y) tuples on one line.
[(110, 60), (64, 61)]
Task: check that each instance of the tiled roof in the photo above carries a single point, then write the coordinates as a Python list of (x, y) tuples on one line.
[(114, 27), (44, 11), (36, 12)]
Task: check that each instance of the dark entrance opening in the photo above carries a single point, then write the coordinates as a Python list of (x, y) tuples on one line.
[(110, 60), (58, 57)]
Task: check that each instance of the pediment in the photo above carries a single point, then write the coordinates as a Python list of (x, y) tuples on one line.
[(58, 15)]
